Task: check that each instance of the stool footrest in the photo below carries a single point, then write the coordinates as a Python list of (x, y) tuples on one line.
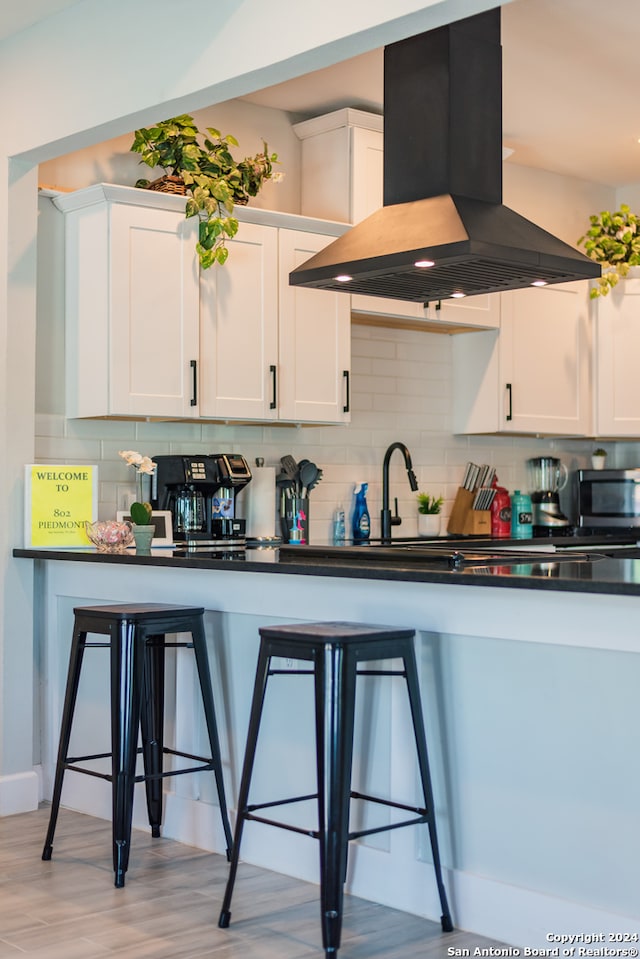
[(390, 802), (207, 764), (421, 815), (312, 833)]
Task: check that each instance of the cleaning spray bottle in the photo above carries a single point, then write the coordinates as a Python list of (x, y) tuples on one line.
[(361, 519)]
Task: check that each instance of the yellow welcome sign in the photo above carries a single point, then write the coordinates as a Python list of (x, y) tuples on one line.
[(58, 501)]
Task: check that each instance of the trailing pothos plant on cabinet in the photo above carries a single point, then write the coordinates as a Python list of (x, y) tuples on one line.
[(202, 167)]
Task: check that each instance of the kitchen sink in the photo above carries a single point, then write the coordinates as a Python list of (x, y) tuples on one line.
[(434, 556)]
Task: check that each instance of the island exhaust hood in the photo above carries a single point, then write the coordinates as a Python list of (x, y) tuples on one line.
[(443, 230)]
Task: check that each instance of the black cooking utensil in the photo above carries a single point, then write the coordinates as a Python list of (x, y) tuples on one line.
[(315, 481), (308, 476)]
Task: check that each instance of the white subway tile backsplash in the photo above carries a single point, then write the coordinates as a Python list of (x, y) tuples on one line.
[(47, 424), (372, 385), (179, 432), (378, 349), (121, 431), (401, 390), (360, 365), (65, 450)]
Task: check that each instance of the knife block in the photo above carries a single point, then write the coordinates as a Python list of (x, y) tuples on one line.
[(465, 520)]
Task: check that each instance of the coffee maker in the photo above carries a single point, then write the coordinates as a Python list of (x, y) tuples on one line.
[(201, 491), (548, 476)]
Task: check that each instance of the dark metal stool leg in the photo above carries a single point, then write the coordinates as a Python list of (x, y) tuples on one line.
[(259, 689), (152, 726), (127, 672), (206, 689), (335, 682), (413, 689), (71, 694)]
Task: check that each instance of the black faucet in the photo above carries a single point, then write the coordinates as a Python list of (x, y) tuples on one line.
[(386, 519)]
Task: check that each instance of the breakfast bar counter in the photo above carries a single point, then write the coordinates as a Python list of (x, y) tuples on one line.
[(576, 567), (529, 672)]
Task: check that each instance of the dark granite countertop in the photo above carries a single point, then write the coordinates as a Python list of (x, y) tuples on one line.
[(577, 565)]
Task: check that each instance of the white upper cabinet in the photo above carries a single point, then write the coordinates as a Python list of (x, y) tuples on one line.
[(131, 307), (531, 376), (150, 335), (617, 347), (270, 351), (315, 341), (338, 150), (239, 329), (481, 312), (342, 179)]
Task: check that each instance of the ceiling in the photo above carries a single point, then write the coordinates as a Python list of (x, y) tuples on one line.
[(570, 102), (15, 17)]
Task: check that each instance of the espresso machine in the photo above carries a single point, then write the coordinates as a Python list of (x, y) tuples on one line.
[(548, 476), (201, 493)]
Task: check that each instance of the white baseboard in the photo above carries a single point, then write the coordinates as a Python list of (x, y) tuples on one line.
[(522, 918), (19, 793)]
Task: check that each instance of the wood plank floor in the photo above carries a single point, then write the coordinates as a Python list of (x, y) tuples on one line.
[(68, 908)]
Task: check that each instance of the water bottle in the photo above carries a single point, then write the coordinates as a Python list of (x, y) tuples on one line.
[(521, 516), (339, 532)]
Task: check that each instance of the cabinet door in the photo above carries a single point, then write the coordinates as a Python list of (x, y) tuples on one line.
[(481, 311), (367, 172), (153, 338), (544, 353), (239, 329), (532, 375), (314, 340), (617, 403)]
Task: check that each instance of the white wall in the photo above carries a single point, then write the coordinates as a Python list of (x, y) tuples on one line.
[(111, 161)]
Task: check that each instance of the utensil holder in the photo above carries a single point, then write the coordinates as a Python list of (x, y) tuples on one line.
[(294, 519)]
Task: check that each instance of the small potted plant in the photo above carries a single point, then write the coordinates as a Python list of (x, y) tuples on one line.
[(599, 459), (429, 508), (140, 510), (613, 240), (203, 168)]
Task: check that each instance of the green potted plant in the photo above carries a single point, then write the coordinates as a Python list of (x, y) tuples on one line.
[(613, 240), (140, 510), (429, 508), (599, 459), (203, 168)]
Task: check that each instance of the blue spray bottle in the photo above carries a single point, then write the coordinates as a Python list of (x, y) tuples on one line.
[(361, 519)]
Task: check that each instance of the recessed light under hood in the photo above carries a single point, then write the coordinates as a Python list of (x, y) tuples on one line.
[(443, 184)]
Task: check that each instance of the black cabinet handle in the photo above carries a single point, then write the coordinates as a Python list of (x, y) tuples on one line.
[(194, 382), (510, 393), (274, 387), (347, 404)]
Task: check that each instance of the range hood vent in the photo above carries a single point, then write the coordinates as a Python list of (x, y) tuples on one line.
[(443, 184)]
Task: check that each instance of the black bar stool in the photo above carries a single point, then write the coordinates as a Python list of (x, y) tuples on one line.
[(335, 649), (137, 646)]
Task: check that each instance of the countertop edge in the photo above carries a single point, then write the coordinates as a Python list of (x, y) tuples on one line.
[(342, 570)]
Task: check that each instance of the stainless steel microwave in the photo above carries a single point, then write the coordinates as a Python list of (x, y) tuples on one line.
[(609, 498)]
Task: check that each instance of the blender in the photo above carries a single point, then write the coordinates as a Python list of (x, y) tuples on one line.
[(548, 477)]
